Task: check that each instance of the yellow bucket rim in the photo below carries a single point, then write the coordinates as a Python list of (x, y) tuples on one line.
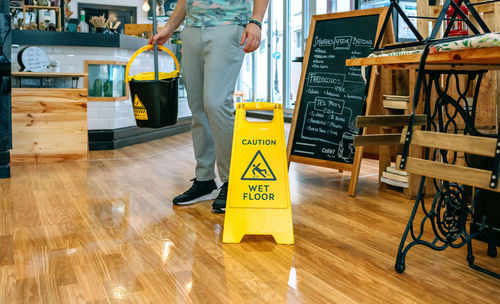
[(151, 76)]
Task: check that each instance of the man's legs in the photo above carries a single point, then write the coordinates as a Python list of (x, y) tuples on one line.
[(204, 187), (193, 73), (223, 58)]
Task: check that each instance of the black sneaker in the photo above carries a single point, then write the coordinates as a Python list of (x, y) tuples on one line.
[(219, 205), (199, 191)]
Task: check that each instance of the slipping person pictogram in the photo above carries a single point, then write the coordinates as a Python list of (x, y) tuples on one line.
[(258, 169)]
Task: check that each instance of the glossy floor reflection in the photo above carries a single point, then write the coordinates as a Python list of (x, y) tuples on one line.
[(105, 231)]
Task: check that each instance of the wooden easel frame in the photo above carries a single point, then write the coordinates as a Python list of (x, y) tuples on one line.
[(356, 165)]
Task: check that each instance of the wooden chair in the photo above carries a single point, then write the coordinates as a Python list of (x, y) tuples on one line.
[(386, 140), (482, 146), (384, 121), (451, 207)]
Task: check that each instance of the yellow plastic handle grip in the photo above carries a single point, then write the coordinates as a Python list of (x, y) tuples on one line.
[(260, 106), (147, 48)]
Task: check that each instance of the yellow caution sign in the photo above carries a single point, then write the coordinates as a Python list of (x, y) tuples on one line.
[(258, 199), (139, 109)]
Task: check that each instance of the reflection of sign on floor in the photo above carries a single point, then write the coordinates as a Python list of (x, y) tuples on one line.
[(258, 169)]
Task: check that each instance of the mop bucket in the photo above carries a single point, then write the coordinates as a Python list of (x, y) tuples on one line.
[(155, 102)]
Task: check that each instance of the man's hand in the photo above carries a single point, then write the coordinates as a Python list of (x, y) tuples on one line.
[(161, 37), (252, 36)]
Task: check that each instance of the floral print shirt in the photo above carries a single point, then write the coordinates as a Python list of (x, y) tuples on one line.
[(217, 12)]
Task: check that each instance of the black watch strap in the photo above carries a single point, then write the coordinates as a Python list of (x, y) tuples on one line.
[(257, 22)]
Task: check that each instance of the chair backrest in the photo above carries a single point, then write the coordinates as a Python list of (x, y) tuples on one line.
[(482, 146), (384, 121)]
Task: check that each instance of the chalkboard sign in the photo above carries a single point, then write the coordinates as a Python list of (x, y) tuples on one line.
[(332, 95)]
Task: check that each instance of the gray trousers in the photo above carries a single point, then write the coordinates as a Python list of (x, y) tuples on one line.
[(211, 63)]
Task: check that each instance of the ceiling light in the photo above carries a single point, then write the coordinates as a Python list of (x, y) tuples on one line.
[(145, 6)]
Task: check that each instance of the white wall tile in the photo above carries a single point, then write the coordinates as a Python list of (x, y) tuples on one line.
[(91, 111), (106, 113), (122, 123), (98, 124)]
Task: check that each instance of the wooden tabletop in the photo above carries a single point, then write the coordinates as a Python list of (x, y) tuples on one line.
[(486, 58), (48, 74)]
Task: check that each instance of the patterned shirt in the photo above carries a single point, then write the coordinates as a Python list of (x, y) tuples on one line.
[(217, 12)]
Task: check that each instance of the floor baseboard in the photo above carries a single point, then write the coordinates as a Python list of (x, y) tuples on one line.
[(123, 137)]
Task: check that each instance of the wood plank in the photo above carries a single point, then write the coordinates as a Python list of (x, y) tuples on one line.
[(165, 253), (138, 29), (397, 105), (6, 250), (374, 94), (483, 146), (48, 74), (389, 86), (320, 162), (389, 120), (452, 173), (377, 139), (7, 284), (416, 151), (61, 269), (385, 157), (29, 7), (49, 125), (487, 56)]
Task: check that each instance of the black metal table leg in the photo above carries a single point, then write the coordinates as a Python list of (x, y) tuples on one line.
[(448, 213)]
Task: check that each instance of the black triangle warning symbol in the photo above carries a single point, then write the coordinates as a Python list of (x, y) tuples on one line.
[(258, 169)]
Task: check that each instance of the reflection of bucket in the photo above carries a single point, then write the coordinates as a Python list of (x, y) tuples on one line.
[(346, 147), (155, 102)]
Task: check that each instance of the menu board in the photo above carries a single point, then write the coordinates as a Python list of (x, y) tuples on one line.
[(332, 95)]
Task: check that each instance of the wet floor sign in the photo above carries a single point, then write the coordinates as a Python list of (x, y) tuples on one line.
[(259, 195)]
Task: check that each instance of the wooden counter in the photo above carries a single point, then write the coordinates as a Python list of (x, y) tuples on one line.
[(49, 125), (489, 57), (468, 59)]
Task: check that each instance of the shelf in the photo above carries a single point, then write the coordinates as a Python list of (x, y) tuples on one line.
[(42, 7), (47, 75), (53, 8), (487, 58)]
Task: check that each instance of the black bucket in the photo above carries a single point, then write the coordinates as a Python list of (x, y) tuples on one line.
[(155, 102)]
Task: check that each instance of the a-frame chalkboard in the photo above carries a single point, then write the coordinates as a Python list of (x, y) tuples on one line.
[(331, 95)]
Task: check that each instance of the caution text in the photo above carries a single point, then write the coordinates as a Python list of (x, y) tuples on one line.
[(259, 142)]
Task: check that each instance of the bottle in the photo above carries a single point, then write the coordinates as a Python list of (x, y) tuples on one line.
[(83, 27)]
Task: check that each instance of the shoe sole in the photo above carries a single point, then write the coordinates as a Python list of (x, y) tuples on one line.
[(211, 196), (220, 211)]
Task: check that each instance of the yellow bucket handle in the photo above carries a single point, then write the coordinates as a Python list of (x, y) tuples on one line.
[(147, 48)]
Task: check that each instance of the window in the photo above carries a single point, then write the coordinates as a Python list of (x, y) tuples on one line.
[(273, 72)]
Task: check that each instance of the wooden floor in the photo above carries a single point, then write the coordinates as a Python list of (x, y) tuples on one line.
[(106, 231)]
